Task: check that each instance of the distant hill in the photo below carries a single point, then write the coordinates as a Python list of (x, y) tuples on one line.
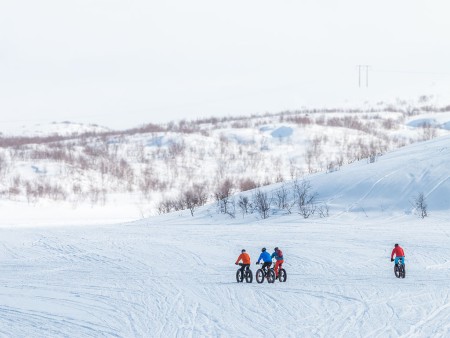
[(154, 166)]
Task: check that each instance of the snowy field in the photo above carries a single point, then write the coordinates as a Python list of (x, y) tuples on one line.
[(178, 280), (174, 275)]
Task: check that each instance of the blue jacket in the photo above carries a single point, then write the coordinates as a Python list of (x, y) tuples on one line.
[(265, 257), (275, 255)]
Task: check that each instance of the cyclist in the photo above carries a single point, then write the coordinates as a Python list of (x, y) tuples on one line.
[(245, 257), (399, 254), (278, 255), (266, 258)]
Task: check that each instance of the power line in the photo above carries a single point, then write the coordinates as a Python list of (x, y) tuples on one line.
[(361, 74), (408, 72)]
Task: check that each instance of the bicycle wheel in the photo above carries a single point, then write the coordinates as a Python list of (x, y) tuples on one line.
[(259, 276), (282, 276), (249, 276), (271, 276), (239, 276), (403, 271), (396, 271)]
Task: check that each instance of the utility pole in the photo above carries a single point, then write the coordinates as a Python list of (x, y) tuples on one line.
[(361, 74)]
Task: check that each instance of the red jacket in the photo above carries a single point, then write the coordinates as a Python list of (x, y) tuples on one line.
[(245, 258), (398, 251)]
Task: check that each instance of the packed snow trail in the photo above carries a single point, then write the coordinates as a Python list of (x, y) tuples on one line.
[(178, 280)]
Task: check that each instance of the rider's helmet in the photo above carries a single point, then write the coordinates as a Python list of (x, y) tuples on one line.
[(263, 249), (396, 245), (243, 250), (276, 249)]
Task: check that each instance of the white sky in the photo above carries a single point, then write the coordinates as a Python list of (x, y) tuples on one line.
[(121, 63)]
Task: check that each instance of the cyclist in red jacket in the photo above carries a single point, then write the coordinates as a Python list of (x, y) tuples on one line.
[(399, 254)]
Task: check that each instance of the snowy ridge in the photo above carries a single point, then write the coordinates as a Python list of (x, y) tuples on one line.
[(65, 128), (173, 275)]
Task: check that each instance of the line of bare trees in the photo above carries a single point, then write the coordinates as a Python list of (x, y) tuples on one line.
[(298, 195)]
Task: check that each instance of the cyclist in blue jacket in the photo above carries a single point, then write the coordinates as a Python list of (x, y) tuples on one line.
[(266, 258)]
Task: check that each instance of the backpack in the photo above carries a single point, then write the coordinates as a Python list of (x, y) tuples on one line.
[(280, 253)]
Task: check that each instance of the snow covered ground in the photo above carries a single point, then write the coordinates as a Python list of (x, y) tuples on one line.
[(174, 275), (168, 278)]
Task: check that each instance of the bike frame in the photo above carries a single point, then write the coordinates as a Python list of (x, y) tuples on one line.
[(265, 270)]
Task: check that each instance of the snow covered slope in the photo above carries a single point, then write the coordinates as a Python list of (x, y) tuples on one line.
[(384, 186), (174, 275), (392, 181)]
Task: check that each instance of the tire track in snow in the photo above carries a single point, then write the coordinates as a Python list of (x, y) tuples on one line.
[(151, 281), (358, 202)]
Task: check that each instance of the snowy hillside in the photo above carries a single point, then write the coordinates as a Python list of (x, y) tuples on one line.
[(129, 174), (174, 275), (383, 186)]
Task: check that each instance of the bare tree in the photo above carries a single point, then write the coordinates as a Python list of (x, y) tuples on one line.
[(428, 132), (194, 197), (244, 204), (231, 208), (292, 168), (200, 192), (176, 148), (304, 199), (420, 205), (309, 156), (165, 206), (3, 163), (282, 195), (191, 201), (223, 195), (261, 203)]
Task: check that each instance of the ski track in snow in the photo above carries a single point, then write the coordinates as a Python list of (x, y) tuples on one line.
[(178, 280)]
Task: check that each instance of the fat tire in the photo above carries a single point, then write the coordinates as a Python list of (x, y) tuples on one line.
[(260, 276), (239, 276), (271, 276), (282, 275), (249, 276), (403, 271), (397, 271)]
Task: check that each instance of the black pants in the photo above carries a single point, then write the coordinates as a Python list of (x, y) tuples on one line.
[(266, 266), (243, 266)]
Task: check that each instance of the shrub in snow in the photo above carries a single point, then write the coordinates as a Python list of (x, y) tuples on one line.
[(3, 163), (323, 210), (247, 184), (420, 205)]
